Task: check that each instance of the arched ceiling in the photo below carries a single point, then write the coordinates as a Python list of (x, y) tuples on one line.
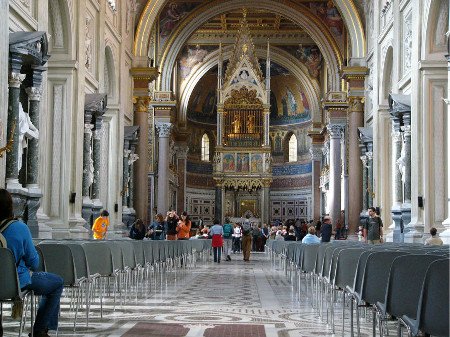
[(350, 13)]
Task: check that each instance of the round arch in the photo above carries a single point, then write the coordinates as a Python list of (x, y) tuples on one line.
[(345, 7), (386, 85), (296, 13), (312, 90), (60, 27)]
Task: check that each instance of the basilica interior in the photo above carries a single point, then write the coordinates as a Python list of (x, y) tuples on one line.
[(226, 109)]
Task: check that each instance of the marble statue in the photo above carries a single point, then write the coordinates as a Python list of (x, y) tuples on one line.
[(401, 162), (27, 130)]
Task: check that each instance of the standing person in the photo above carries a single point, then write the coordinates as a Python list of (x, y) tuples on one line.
[(47, 285), (156, 229), (434, 240), (137, 230), (256, 234), (373, 228), (291, 235), (318, 228), (339, 226), (184, 227), (228, 236), (246, 239), (326, 229), (216, 233), (237, 235), (100, 225), (265, 235), (171, 222)]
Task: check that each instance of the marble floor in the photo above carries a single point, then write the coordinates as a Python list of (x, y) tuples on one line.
[(230, 299)]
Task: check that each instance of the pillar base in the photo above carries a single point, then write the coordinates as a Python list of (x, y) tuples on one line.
[(397, 218), (406, 216), (96, 208), (363, 218), (87, 213), (414, 231), (33, 204)]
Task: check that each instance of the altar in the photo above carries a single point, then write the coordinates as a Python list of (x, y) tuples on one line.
[(242, 167)]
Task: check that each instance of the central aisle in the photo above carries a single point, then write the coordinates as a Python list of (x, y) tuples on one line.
[(230, 299)]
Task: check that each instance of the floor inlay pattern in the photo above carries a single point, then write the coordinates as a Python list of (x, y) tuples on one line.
[(230, 299)]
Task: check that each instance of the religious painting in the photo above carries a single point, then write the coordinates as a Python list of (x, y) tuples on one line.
[(228, 163), (191, 56), (171, 15), (257, 163), (294, 107), (309, 55), (330, 16), (242, 164)]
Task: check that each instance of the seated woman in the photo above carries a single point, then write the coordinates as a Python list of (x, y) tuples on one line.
[(156, 230), (47, 285)]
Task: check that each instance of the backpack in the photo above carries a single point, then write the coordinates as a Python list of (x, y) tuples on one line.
[(227, 230), (3, 225), (246, 228)]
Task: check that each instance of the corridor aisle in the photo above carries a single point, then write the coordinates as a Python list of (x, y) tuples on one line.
[(230, 299)]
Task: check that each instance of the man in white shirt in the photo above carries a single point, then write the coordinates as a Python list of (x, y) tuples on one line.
[(434, 240)]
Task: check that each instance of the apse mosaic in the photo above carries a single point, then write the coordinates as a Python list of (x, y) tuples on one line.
[(289, 104)]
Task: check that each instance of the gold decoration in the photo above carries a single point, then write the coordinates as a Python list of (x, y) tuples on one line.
[(9, 144), (243, 98)]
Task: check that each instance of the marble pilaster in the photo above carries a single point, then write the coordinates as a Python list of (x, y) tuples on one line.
[(265, 204), (335, 131), (370, 189), (163, 130)]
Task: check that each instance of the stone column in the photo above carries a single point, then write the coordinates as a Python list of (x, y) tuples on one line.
[(335, 131), (406, 206), (266, 126), (397, 189), (265, 203), (218, 200), (355, 120), (34, 192), (365, 204), (126, 176), (163, 166), (316, 158), (96, 156), (141, 168), (181, 152), (15, 80), (370, 188), (87, 169)]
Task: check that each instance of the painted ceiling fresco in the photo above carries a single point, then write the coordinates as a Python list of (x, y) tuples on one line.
[(260, 20)]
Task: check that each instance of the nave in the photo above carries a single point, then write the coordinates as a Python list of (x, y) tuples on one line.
[(213, 300)]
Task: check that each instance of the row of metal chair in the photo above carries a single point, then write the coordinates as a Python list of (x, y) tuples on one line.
[(92, 270), (389, 279)]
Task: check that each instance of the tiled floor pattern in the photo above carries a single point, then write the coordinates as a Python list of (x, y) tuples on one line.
[(231, 299)]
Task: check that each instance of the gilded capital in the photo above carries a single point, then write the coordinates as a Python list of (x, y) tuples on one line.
[(141, 103), (356, 104)]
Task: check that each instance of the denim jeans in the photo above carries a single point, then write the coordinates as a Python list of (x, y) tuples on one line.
[(50, 287), (217, 253)]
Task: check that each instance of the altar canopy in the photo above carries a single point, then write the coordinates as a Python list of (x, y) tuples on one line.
[(242, 160)]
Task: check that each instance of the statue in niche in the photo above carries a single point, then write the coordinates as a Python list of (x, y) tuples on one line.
[(250, 124), (236, 124), (401, 162), (27, 130)]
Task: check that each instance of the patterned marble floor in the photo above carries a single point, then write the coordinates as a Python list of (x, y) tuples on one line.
[(234, 299)]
